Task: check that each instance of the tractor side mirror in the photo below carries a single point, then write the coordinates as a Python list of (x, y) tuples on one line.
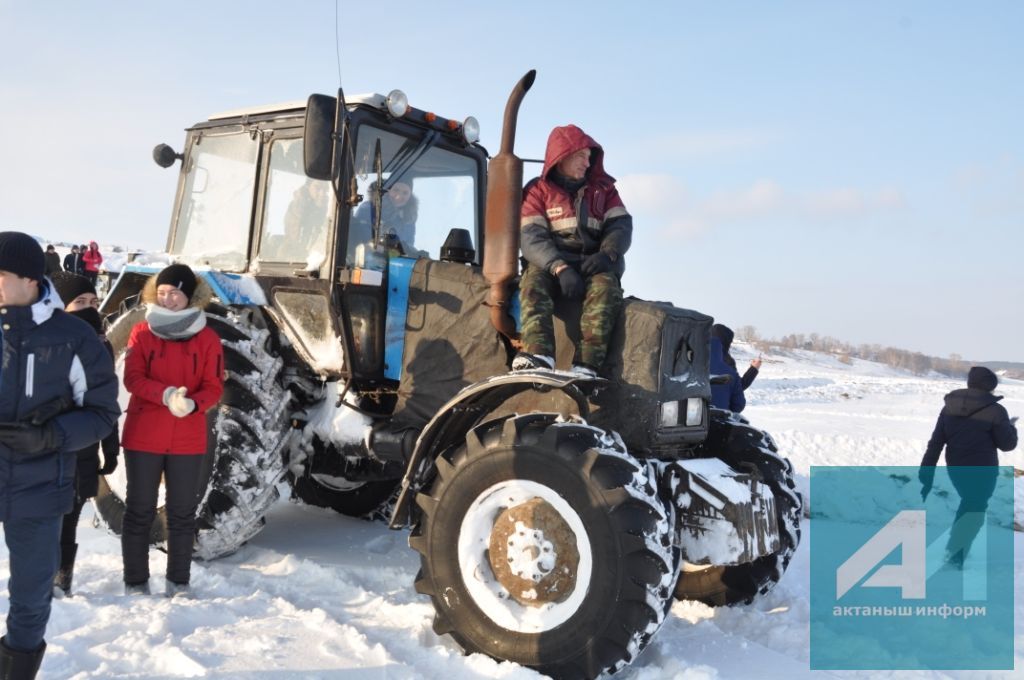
[(165, 156), (318, 136)]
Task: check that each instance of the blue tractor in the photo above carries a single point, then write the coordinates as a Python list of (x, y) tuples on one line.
[(364, 256)]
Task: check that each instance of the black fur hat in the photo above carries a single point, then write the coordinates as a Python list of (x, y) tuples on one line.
[(69, 286), (981, 378)]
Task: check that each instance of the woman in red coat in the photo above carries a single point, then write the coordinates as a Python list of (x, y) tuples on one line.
[(174, 370), (91, 261)]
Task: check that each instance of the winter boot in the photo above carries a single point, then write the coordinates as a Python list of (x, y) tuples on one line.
[(178, 590), (581, 370), (15, 665), (62, 581), (524, 361), (136, 588)]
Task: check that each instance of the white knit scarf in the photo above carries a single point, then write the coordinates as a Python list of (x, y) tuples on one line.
[(179, 325)]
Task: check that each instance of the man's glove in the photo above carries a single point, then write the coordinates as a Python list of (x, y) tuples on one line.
[(597, 263), (109, 465), (926, 475), (178, 403), (571, 283), (28, 439)]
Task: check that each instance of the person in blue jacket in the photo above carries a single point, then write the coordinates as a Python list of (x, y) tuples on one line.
[(725, 334), (728, 396), (58, 394)]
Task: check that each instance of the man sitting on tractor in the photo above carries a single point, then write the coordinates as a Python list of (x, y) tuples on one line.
[(574, 233)]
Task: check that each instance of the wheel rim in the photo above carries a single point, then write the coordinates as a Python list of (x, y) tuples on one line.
[(525, 556), (336, 483)]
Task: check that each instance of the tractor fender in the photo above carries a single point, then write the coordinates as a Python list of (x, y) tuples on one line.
[(465, 411)]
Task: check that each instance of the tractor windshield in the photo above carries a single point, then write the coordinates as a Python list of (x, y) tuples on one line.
[(427, 191), (212, 225)]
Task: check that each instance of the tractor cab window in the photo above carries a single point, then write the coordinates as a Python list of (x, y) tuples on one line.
[(212, 225), (426, 192), (297, 210)]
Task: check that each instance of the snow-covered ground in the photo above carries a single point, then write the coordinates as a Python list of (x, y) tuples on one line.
[(318, 595)]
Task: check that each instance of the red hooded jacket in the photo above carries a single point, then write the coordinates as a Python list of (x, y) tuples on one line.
[(550, 230), (92, 258)]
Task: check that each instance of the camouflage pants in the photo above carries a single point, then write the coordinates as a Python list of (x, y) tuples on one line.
[(601, 304)]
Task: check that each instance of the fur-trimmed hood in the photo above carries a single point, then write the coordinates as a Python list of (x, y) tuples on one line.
[(201, 298)]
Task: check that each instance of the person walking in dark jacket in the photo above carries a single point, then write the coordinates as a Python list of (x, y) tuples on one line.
[(575, 232), (725, 335), (174, 370), (80, 300), (972, 426), (728, 396), (58, 394)]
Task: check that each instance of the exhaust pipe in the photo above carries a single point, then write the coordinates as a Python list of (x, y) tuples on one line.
[(501, 226)]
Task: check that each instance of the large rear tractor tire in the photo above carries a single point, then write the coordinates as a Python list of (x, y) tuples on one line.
[(248, 433), (545, 543), (733, 440)]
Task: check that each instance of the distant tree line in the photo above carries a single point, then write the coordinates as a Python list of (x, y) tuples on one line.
[(953, 366)]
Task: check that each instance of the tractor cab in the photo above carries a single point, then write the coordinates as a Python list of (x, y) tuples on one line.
[(323, 253)]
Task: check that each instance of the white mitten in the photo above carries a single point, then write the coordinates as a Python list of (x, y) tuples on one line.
[(167, 394), (179, 404)]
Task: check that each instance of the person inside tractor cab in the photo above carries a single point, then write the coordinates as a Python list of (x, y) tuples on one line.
[(574, 233), (305, 221), (399, 209)]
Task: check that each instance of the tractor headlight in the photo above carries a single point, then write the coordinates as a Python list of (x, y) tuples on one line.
[(397, 103), (694, 411), (669, 413), (471, 130)]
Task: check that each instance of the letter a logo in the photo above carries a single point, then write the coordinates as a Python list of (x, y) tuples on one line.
[(906, 530)]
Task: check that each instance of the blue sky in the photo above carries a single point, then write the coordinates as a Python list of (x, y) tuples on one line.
[(847, 168)]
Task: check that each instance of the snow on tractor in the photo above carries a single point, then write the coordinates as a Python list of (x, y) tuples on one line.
[(368, 350)]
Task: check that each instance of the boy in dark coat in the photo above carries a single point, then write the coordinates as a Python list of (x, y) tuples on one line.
[(58, 394), (52, 261), (725, 334), (971, 426), (80, 300), (73, 261), (728, 396)]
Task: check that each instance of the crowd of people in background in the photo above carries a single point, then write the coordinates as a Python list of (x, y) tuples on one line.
[(84, 260)]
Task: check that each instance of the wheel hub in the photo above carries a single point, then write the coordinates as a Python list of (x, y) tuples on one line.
[(533, 553)]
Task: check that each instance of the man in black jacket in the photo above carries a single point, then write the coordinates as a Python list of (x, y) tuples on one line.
[(73, 261), (971, 427), (58, 394)]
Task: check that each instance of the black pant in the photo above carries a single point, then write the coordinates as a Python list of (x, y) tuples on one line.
[(975, 486), (181, 478), (69, 533)]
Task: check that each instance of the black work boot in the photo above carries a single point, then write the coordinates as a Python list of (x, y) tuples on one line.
[(15, 665), (62, 581)]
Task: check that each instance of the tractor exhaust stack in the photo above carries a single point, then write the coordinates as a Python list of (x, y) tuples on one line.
[(504, 198)]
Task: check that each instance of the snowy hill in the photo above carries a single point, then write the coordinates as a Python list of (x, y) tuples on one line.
[(317, 595)]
